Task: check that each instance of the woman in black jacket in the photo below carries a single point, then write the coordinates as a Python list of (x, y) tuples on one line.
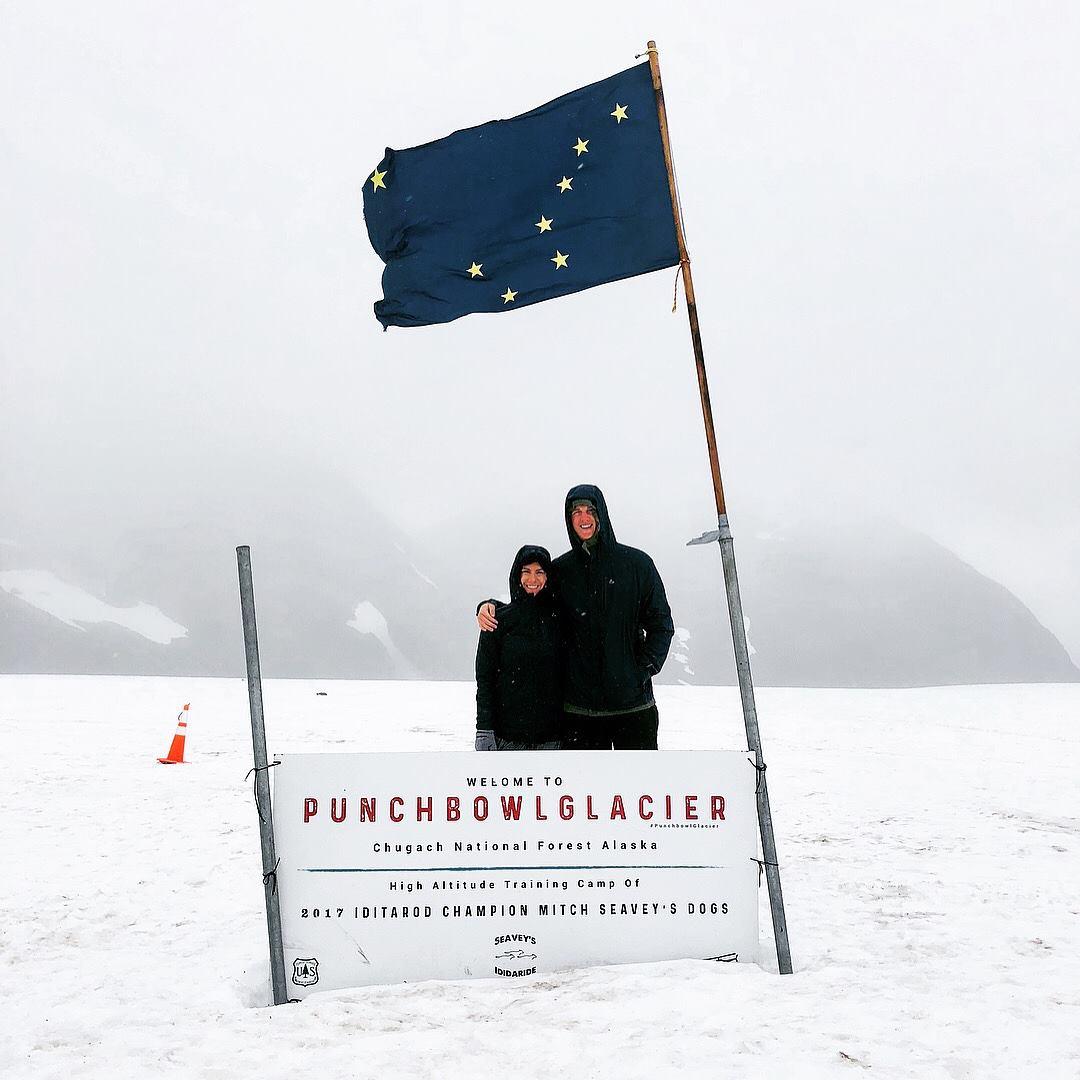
[(519, 666)]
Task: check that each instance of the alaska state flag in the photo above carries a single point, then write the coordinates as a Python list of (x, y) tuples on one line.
[(568, 196)]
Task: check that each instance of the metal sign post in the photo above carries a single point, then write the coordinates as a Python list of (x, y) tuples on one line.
[(262, 780)]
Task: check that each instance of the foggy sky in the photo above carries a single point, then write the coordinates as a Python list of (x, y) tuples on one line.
[(881, 211)]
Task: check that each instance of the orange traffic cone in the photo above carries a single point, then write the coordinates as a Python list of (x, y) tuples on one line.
[(176, 751)]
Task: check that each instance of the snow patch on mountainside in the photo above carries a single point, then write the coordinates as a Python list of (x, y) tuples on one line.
[(680, 653), (368, 619), (746, 629), (413, 567), (73, 605), (422, 576)]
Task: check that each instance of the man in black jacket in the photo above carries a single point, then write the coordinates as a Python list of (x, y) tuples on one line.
[(619, 629)]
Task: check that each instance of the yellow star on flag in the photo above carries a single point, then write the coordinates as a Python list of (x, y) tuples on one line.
[(545, 223), (377, 180), (559, 260), (620, 113), (564, 185), (508, 295), (474, 270), (581, 146)]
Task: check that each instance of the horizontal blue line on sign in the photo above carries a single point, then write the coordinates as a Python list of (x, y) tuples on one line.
[(476, 869)]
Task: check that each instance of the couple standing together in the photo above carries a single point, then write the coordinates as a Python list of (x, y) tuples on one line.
[(568, 663)]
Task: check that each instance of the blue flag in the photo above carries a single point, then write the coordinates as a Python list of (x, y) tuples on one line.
[(568, 196)]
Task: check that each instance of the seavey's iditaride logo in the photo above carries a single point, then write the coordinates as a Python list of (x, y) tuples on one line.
[(305, 972), (515, 955)]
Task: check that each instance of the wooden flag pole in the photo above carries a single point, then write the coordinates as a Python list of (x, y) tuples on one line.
[(727, 552)]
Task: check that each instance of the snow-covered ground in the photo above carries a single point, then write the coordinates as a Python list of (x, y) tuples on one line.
[(929, 842)]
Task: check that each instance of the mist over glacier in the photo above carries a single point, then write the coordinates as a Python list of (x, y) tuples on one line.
[(343, 592), (881, 213)]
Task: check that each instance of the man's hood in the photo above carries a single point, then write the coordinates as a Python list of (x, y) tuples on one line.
[(604, 532), (530, 553)]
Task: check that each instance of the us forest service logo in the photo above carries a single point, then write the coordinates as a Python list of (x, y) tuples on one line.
[(515, 955), (305, 972)]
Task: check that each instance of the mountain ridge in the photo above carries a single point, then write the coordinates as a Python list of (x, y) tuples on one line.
[(343, 593)]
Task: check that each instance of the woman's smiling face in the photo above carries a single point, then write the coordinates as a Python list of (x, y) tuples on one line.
[(533, 578)]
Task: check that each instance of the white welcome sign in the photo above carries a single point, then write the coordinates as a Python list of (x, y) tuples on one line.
[(403, 867)]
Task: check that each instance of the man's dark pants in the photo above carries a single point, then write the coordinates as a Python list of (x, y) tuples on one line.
[(624, 731)]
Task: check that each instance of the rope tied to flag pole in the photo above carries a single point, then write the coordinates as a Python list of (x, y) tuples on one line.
[(760, 770), (761, 864)]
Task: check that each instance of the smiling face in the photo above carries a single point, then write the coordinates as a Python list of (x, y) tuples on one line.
[(533, 578), (583, 519)]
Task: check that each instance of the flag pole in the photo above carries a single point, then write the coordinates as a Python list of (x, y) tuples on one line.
[(727, 551)]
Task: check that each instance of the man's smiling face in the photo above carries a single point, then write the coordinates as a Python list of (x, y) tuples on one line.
[(583, 519)]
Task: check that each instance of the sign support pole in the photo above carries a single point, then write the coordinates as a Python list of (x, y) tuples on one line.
[(262, 779), (727, 551)]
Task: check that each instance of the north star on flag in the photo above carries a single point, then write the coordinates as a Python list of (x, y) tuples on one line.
[(570, 195)]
